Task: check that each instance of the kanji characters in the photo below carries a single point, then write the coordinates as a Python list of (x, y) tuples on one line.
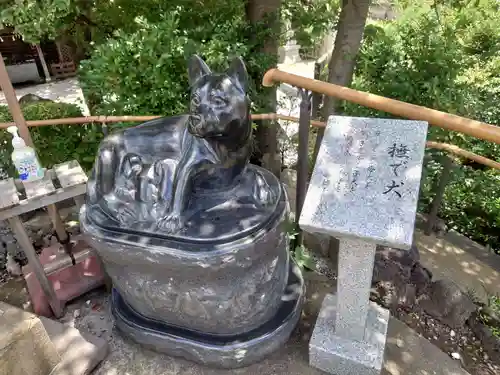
[(393, 188)]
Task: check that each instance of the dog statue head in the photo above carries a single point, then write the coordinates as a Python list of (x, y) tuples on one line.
[(219, 108)]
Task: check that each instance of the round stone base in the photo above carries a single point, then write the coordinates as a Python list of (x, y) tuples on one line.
[(215, 350)]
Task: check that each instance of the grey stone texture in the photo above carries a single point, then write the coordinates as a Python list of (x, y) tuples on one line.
[(366, 180), (402, 257), (353, 287), (394, 294), (8, 244), (446, 301), (421, 278), (217, 351), (339, 355), (223, 289)]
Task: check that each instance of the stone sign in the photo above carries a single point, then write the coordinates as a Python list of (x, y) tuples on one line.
[(364, 191), (366, 180)]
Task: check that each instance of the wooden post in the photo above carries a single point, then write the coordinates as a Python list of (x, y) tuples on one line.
[(62, 235), (59, 52), (43, 62), (15, 109), (438, 198), (23, 239)]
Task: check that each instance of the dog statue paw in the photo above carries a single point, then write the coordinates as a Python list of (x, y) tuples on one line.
[(170, 224), (262, 193)]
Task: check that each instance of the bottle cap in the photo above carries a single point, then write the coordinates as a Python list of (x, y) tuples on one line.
[(17, 141)]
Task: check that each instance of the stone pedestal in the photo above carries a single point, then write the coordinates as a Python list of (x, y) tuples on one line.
[(349, 336), (363, 191), (335, 354), (355, 271)]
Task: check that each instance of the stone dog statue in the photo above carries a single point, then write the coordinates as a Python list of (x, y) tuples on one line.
[(144, 177)]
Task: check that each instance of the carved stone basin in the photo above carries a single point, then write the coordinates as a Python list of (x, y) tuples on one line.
[(194, 237)]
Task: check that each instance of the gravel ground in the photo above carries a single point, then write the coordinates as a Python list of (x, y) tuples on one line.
[(461, 345)]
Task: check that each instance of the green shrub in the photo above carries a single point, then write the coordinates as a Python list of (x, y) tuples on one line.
[(309, 22), (143, 71), (54, 143), (447, 58)]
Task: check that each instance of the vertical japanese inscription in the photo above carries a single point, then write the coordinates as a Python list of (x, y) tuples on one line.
[(399, 155), (358, 146)]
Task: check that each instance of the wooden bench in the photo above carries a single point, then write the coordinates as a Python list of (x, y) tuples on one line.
[(64, 181)]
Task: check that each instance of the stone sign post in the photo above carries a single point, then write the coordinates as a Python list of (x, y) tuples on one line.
[(364, 191)]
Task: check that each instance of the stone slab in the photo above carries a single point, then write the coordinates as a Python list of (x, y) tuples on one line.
[(456, 258), (408, 353), (80, 352), (366, 180), (71, 352), (25, 346), (338, 355)]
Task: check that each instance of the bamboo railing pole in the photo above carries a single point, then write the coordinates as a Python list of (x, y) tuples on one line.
[(14, 108), (261, 116), (464, 153), (414, 112), (109, 119), (82, 120)]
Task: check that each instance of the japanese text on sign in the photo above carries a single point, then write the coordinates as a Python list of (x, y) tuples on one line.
[(400, 155)]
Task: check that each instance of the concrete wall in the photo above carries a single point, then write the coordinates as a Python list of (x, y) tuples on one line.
[(23, 72)]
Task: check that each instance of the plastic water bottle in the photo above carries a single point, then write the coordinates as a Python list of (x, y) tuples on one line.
[(24, 158)]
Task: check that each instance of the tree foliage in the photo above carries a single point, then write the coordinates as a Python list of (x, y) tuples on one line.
[(142, 70), (35, 19), (54, 143), (82, 21), (444, 55), (308, 21)]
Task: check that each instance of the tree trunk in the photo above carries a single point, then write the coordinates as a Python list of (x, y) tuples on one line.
[(266, 133), (350, 30)]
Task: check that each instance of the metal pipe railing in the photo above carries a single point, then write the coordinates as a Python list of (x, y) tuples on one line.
[(111, 119), (444, 120), (411, 111), (262, 116)]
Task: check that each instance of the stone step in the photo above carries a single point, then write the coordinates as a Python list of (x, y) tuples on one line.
[(47, 345)]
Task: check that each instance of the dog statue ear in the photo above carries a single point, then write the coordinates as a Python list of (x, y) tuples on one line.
[(197, 69), (238, 73)]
